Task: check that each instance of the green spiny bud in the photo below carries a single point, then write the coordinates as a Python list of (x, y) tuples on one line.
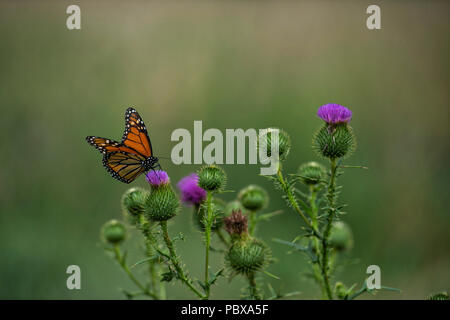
[(341, 237), (334, 141), (133, 204), (162, 203), (438, 296), (311, 173), (218, 211), (284, 143), (341, 291), (253, 197), (234, 205), (113, 232), (211, 178), (247, 256)]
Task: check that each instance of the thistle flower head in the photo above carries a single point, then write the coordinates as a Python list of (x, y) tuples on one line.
[(191, 193), (236, 224), (333, 113), (211, 178), (253, 197), (162, 203), (157, 178), (113, 232)]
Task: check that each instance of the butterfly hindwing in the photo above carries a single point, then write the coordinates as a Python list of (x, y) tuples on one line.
[(123, 166), (135, 135)]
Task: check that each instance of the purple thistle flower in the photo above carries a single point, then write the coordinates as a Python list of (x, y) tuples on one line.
[(190, 191), (333, 113), (157, 177)]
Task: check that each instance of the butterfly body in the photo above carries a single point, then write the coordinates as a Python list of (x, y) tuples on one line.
[(150, 163), (128, 159)]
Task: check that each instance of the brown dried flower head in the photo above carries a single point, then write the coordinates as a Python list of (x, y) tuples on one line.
[(236, 223)]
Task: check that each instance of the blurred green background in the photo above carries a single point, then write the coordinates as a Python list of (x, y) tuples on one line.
[(233, 64)]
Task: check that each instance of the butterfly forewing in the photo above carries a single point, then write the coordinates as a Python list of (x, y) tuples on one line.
[(107, 145), (135, 135)]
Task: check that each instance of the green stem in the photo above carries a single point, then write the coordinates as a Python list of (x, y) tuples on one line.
[(208, 225), (316, 243), (162, 290), (124, 266), (254, 294), (152, 276), (358, 293), (252, 224), (326, 235), (175, 261), (150, 241), (292, 200)]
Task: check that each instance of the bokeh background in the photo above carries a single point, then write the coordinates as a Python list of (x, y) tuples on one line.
[(232, 64)]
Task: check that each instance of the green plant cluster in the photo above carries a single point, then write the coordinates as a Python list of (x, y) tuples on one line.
[(312, 193)]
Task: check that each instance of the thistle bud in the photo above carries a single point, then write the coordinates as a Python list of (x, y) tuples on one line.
[(162, 203), (211, 178), (334, 143), (234, 205), (341, 291), (335, 139), (253, 197), (438, 296), (341, 237), (311, 173), (113, 232), (133, 204), (247, 256), (218, 211), (265, 143)]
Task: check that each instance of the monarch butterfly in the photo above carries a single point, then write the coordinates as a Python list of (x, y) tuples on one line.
[(126, 160)]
